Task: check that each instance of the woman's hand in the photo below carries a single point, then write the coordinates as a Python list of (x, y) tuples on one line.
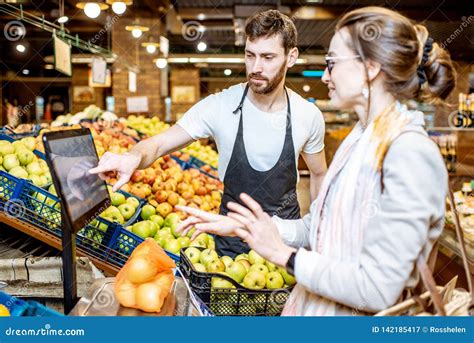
[(260, 232), (207, 222)]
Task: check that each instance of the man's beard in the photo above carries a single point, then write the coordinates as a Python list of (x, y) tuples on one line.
[(271, 84)]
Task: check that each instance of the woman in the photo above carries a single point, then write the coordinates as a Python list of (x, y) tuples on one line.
[(381, 204)]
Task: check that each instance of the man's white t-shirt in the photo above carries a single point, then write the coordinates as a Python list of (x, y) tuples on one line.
[(264, 132)]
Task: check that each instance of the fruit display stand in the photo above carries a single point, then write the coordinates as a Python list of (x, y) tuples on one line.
[(220, 295)]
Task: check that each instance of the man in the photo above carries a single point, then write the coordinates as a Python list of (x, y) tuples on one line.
[(260, 129)]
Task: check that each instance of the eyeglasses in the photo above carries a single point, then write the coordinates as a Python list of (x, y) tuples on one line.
[(331, 60)]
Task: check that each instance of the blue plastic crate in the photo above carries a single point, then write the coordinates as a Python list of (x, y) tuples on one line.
[(10, 187), (18, 307), (4, 137), (198, 164), (11, 133), (183, 164), (124, 244)]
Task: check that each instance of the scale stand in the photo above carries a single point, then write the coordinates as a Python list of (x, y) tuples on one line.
[(69, 263)]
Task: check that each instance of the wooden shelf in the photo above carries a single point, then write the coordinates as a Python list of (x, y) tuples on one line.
[(53, 241)]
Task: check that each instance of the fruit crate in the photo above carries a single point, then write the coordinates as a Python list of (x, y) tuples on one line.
[(183, 164), (129, 236), (13, 138), (197, 163), (22, 308), (238, 301), (14, 135), (122, 245)]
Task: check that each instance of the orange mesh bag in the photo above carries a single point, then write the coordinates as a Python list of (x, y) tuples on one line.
[(145, 280)]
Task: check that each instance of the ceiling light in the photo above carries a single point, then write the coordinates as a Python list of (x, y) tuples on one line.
[(137, 30), (201, 16), (161, 63), (25, 72), (20, 48), (62, 20), (306, 88), (227, 72), (92, 9), (48, 66), (119, 6), (202, 46), (151, 46), (137, 33)]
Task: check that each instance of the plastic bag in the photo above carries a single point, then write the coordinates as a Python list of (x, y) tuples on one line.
[(145, 280)]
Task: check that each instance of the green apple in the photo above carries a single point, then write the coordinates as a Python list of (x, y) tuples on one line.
[(172, 220), (19, 172), (172, 245), (118, 199), (161, 237), (133, 201), (241, 257), (199, 267), (18, 146), (167, 229), (141, 229), (255, 280), (193, 254), (215, 266), (34, 168), (217, 282), (211, 245), (255, 258), (43, 181), (196, 243), (43, 165), (126, 210), (260, 268), (147, 211), (274, 280), (10, 161), (184, 242), (208, 255), (6, 148), (52, 190), (289, 279), (245, 263), (204, 238), (271, 267), (48, 177), (191, 232), (236, 271), (157, 219), (227, 260), (25, 157), (29, 142), (153, 228), (35, 179)]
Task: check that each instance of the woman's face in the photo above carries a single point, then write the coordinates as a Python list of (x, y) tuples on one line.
[(347, 77)]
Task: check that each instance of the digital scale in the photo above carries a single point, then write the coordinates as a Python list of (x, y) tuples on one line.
[(70, 155)]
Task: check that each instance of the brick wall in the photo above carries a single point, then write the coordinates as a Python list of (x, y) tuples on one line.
[(130, 51), (80, 77)]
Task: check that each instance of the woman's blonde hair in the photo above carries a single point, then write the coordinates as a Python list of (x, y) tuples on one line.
[(391, 39)]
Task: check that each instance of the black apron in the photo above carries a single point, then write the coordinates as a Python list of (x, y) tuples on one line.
[(274, 190)]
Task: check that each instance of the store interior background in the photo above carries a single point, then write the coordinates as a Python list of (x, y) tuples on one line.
[(185, 23)]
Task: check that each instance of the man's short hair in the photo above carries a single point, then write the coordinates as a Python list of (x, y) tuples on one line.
[(271, 23)]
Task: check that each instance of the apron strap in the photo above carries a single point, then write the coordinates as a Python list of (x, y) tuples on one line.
[(241, 103)]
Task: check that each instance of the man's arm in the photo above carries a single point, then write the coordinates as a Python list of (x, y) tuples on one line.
[(317, 168), (161, 144)]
